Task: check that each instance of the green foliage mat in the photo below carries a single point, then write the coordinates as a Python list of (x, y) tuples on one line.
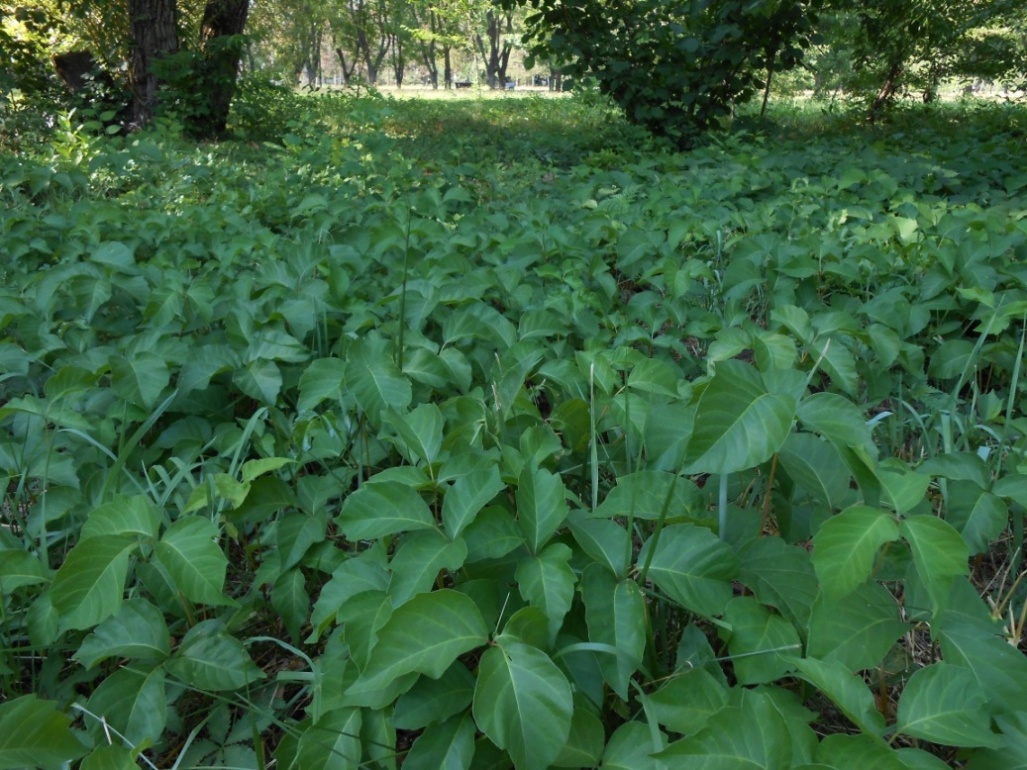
[(478, 436)]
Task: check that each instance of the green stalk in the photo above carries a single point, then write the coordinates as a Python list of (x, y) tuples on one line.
[(722, 506), (403, 292), (1011, 401), (132, 442), (658, 529), (593, 449), (1018, 518)]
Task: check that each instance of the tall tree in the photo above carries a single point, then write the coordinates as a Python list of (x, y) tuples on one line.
[(155, 36), (496, 45), (221, 47), (211, 65), (363, 27)]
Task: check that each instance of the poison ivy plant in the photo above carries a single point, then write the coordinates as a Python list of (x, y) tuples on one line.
[(365, 448)]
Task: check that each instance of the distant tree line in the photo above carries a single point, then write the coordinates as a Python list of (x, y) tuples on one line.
[(676, 66)]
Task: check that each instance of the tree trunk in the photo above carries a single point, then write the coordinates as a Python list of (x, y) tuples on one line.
[(221, 49), (346, 73), (154, 35), (888, 89), (496, 57), (448, 71), (427, 51), (399, 62), (766, 90)]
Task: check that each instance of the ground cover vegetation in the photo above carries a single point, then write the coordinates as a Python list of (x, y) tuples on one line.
[(499, 433)]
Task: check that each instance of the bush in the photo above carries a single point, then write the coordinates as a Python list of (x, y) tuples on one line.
[(674, 66)]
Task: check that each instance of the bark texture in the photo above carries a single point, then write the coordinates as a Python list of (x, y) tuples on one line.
[(154, 35)]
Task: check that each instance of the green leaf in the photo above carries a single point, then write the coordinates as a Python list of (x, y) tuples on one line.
[(529, 625), (322, 379), (493, 535), (33, 733), (354, 576), (90, 584), (667, 430), (939, 552), (420, 432), (523, 703), (856, 630), (210, 659), (739, 423), (1012, 755), (253, 469), (541, 507), (115, 254), (445, 745), (141, 379), (944, 704), (68, 380), (295, 534), (863, 466), (848, 691), (273, 343), (781, 576), (999, 669), (205, 361), (980, 517), (846, 752), (645, 493), (290, 600), (616, 615), (951, 359), (109, 757), (331, 743), (773, 351), (835, 358), (585, 742), (136, 631), (378, 735), (816, 466), (903, 488), (134, 515), (20, 568), (435, 700), (685, 703), (427, 367), (424, 635), (760, 643), (363, 617), (546, 581), (631, 748), (655, 375), (603, 540), (957, 466), (468, 495), (420, 558), (261, 380), (189, 552), (1013, 487), (381, 508), (375, 381), (692, 566), (753, 735), (845, 548), (131, 701)]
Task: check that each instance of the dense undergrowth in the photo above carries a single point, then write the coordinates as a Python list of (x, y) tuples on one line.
[(474, 435)]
